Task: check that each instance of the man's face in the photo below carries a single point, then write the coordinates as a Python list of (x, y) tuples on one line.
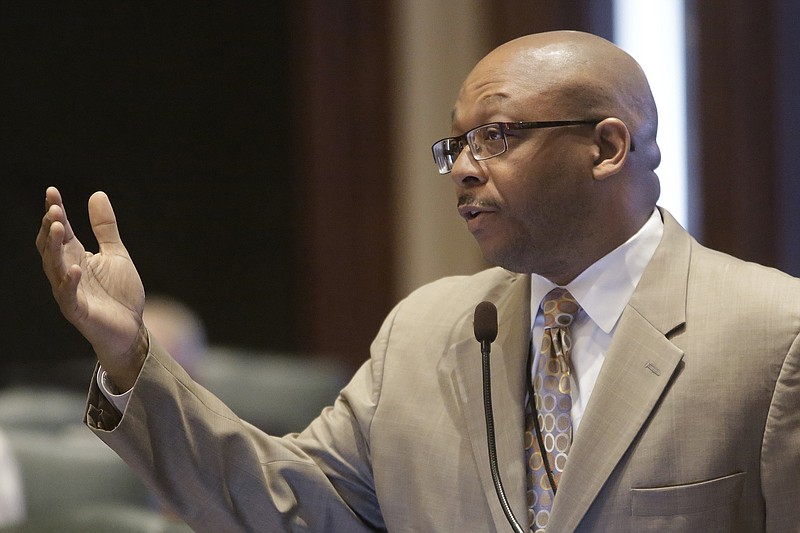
[(530, 208)]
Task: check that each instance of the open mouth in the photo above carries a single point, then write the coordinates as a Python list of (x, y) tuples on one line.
[(471, 208), (471, 212)]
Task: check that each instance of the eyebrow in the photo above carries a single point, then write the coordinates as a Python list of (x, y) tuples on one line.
[(485, 101)]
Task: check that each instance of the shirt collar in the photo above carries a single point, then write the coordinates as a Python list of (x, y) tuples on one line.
[(604, 289)]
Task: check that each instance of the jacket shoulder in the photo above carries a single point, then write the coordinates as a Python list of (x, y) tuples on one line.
[(459, 292)]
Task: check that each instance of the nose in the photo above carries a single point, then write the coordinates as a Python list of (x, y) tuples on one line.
[(466, 171)]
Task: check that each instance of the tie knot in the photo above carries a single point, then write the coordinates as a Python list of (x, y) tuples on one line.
[(559, 308)]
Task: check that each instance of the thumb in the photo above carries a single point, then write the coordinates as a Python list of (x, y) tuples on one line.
[(104, 224)]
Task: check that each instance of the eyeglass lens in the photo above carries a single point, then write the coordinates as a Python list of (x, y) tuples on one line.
[(484, 142)]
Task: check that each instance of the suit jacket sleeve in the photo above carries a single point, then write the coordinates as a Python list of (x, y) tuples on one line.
[(220, 473), (780, 460)]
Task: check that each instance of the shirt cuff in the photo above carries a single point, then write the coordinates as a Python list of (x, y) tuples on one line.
[(120, 401)]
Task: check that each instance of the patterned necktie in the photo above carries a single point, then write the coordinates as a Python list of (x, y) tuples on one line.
[(553, 404)]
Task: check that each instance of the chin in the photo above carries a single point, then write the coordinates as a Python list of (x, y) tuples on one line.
[(520, 258), (508, 259)]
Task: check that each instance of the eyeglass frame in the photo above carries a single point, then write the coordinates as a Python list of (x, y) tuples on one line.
[(464, 139)]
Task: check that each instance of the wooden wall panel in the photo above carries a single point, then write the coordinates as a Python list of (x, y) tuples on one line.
[(731, 99), (513, 18), (342, 141)]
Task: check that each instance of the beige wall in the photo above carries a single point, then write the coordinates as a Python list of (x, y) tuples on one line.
[(435, 46)]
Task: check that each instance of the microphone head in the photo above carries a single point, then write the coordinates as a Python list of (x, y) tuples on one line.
[(485, 322)]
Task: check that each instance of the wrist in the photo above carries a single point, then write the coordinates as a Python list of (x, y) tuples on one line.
[(126, 368)]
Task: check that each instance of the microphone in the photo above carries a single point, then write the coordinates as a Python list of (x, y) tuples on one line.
[(485, 327), (485, 324)]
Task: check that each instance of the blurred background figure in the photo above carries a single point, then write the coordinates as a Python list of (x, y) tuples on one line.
[(57, 476), (275, 391), (178, 328), (12, 497)]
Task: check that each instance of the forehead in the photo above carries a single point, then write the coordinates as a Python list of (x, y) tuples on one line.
[(488, 102), (499, 92)]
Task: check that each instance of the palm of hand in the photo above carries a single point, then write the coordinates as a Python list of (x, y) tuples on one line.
[(109, 298)]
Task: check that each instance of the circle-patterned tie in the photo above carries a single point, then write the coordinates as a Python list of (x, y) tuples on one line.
[(553, 404)]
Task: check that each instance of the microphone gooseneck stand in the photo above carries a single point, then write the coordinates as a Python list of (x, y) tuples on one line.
[(485, 325)]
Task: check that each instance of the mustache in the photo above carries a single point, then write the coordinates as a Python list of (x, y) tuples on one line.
[(473, 201)]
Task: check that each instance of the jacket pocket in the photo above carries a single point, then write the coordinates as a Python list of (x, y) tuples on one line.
[(687, 499)]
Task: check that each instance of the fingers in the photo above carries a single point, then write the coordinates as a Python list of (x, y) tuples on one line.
[(55, 235), (52, 252), (47, 219), (53, 197), (63, 277), (51, 235), (104, 224), (54, 212)]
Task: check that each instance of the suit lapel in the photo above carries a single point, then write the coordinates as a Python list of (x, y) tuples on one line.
[(508, 360), (635, 374)]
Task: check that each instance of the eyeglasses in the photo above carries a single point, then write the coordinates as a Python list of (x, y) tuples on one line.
[(488, 141)]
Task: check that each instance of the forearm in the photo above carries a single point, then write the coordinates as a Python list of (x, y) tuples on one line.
[(209, 465)]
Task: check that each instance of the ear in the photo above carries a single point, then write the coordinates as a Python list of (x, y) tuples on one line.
[(612, 145)]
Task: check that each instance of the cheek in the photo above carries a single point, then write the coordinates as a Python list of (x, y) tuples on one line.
[(545, 202), (526, 193)]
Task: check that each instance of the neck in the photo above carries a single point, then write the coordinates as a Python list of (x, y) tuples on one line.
[(613, 237)]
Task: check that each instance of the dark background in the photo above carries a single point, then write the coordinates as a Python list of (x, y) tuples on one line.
[(183, 117), (238, 144)]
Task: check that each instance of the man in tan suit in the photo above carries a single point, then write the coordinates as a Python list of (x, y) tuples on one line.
[(684, 371)]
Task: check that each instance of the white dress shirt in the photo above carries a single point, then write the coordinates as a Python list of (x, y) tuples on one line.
[(602, 290), (119, 400)]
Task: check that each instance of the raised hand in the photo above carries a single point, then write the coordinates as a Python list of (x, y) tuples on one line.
[(101, 294)]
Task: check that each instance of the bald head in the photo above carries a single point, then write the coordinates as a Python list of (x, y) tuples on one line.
[(578, 75)]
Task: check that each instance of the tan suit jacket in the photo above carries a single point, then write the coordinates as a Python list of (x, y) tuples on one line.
[(693, 425)]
